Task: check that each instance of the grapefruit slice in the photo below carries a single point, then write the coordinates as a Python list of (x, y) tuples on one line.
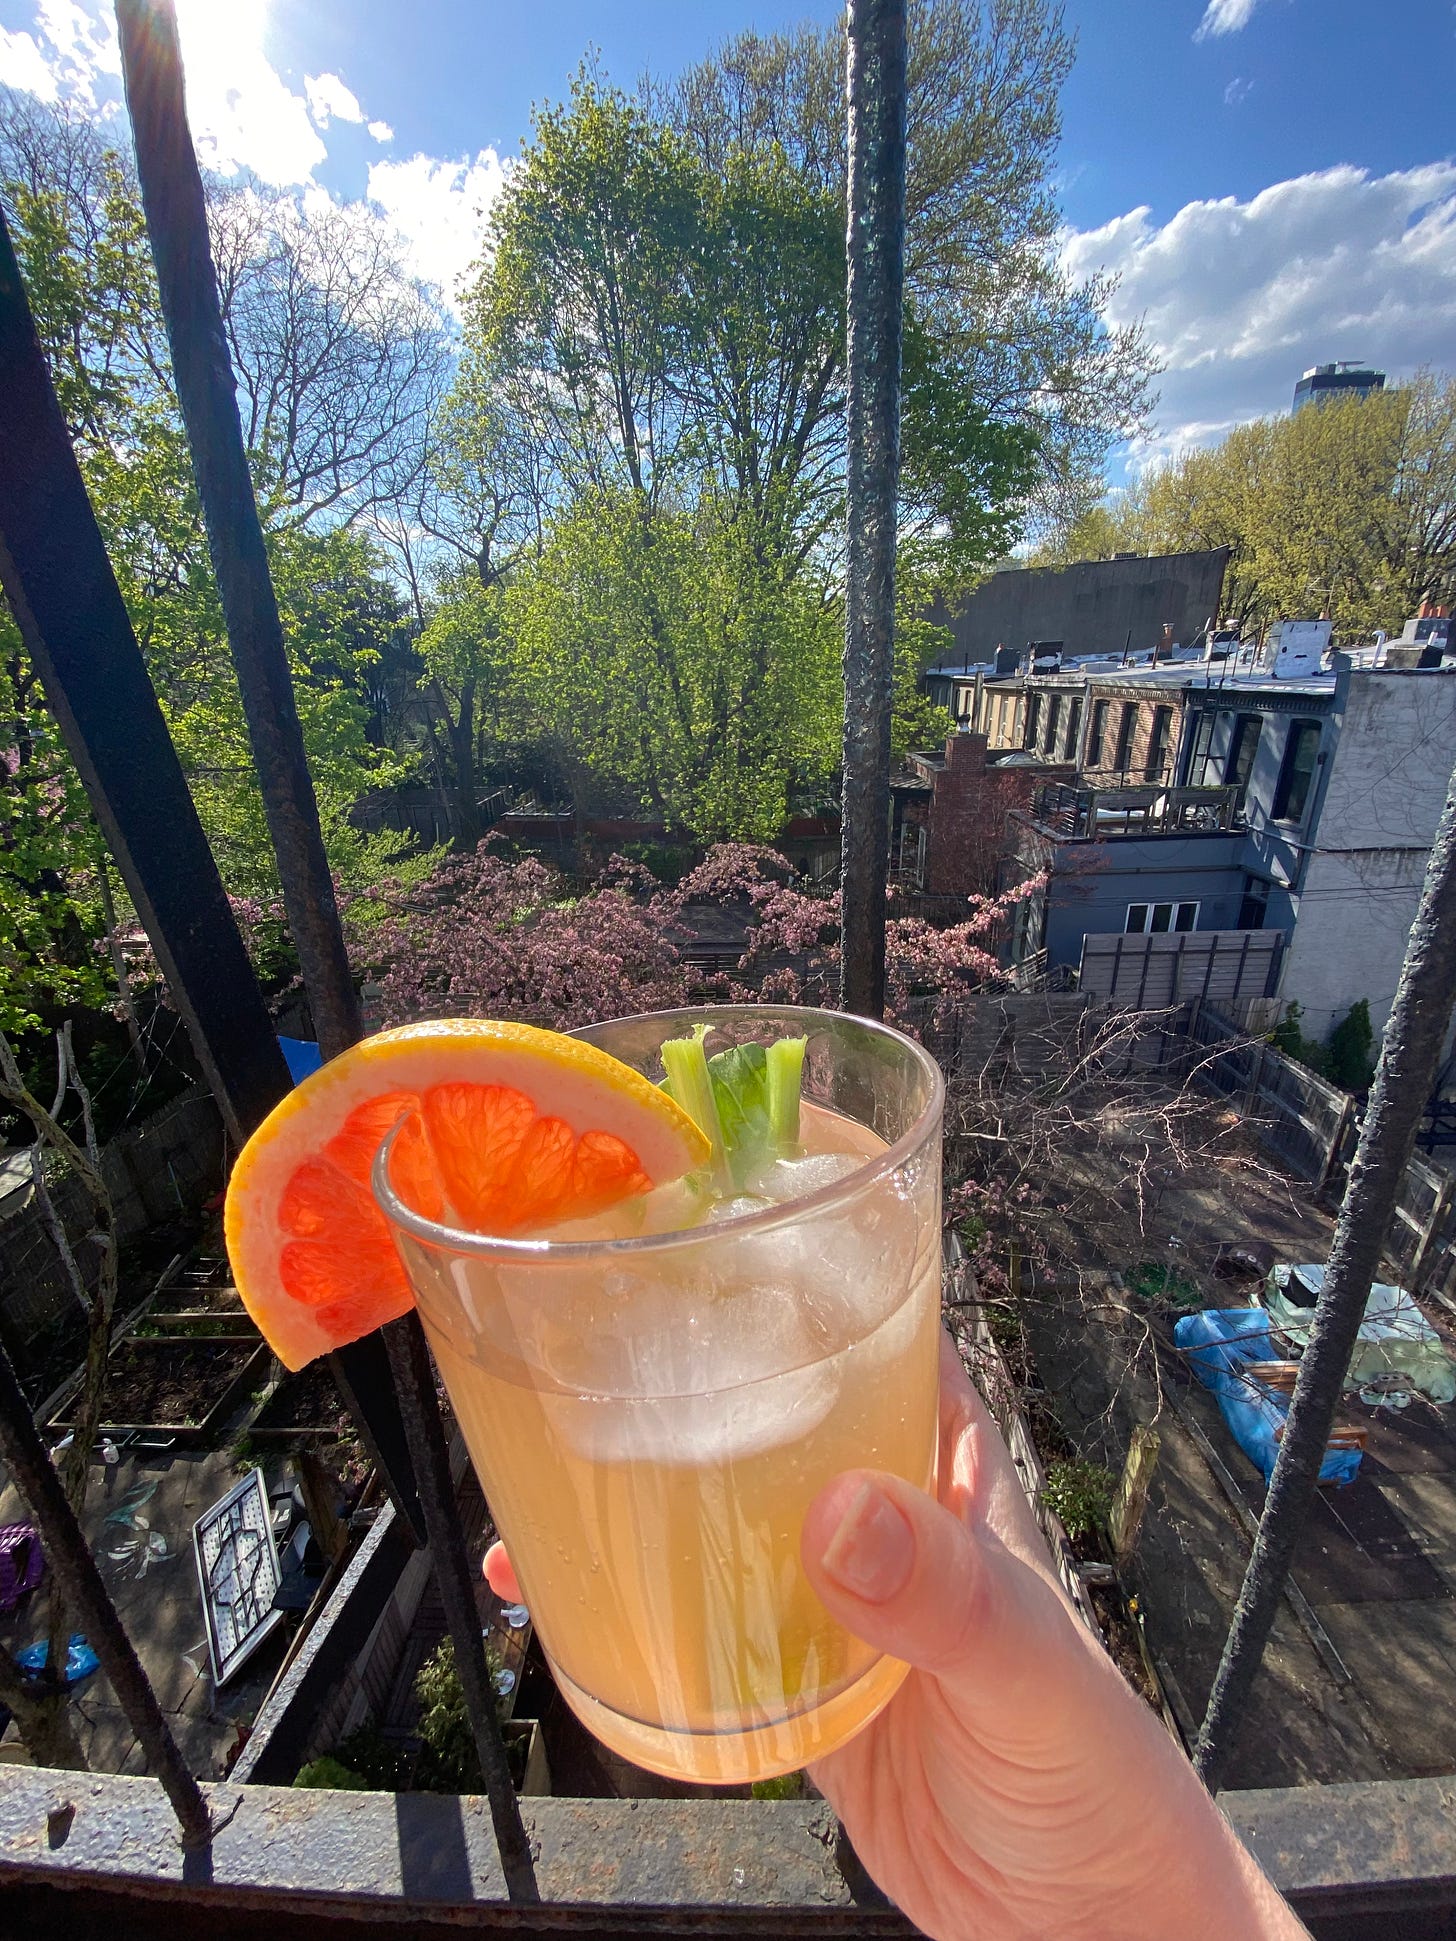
[(505, 1127)]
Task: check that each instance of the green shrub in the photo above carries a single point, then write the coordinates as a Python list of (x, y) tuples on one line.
[(1349, 1062), (447, 1759), (1286, 1035), (782, 1786), (1080, 1493), (331, 1774), (383, 1765)]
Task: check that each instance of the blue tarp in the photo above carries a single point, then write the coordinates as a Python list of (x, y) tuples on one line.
[(302, 1057), (1217, 1343), (81, 1660)]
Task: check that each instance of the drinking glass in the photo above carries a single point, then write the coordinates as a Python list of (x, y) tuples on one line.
[(651, 1416)]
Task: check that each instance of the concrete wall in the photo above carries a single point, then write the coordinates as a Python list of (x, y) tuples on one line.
[(1091, 606), (1361, 886)]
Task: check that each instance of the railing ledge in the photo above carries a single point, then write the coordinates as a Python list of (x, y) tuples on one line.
[(380, 1858), (1370, 1859)]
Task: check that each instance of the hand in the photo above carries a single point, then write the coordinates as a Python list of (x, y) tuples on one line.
[(1014, 1786), (1014, 1789)]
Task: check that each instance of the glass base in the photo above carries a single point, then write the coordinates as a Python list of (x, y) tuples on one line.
[(736, 1758)]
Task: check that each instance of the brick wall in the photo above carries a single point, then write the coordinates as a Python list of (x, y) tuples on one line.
[(966, 825), (1140, 748)]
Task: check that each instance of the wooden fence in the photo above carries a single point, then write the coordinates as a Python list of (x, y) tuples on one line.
[(1170, 967), (1311, 1127)]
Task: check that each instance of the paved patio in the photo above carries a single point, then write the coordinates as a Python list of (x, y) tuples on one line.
[(139, 1517), (1377, 1561)]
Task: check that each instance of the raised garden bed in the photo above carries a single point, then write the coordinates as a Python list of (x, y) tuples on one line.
[(196, 1324), (1028, 1423), (307, 1404), (175, 1386)]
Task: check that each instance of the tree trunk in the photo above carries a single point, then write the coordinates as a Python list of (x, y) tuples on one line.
[(1409, 1055), (874, 315), (462, 752)]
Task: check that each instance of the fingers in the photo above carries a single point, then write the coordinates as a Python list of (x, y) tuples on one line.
[(500, 1576), (941, 1593)]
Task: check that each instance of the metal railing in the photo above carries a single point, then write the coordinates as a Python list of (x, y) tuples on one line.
[(1086, 814)]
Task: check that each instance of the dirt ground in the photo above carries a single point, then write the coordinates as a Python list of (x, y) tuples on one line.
[(1377, 1564)]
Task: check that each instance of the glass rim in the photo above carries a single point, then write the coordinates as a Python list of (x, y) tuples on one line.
[(461, 1240)]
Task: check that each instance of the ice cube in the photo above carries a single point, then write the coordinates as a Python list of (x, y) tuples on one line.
[(723, 1426), (792, 1179), (736, 1208)]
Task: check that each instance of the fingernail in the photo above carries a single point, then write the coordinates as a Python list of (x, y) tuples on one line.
[(872, 1552)]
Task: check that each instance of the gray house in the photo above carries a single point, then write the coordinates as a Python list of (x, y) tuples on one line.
[(1237, 835)]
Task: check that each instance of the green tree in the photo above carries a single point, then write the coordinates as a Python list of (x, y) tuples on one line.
[(667, 318), (663, 648), (469, 684), (1028, 346), (81, 239), (1348, 510)]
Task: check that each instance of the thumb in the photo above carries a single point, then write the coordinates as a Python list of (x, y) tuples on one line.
[(905, 1574)]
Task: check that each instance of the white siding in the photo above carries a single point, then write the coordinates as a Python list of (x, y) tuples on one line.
[(1362, 883)]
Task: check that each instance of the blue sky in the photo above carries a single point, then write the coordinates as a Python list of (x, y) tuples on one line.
[(1274, 181)]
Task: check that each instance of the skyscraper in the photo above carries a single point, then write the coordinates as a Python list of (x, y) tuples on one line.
[(1323, 381)]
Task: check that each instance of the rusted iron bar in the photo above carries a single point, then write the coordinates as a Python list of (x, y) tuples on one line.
[(1410, 1052), (79, 636), (409, 1357), (35, 1477), (77, 631), (875, 320), (171, 186)]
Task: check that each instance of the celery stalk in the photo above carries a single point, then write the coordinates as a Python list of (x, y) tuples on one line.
[(785, 1075), (685, 1066)]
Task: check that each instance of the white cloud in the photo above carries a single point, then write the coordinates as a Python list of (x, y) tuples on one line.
[(1239, 298), (329, 99), (381, 131), (66, 53), (1224, 17), (23, 66), (243, 114), (1236, 90), (440, 208)]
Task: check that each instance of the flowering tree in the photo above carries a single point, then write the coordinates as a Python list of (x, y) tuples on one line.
[(487, 935)]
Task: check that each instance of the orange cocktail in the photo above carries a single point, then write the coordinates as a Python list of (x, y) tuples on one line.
[(653, 1397)]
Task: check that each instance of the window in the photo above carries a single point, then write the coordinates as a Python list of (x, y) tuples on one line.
[(1096, 734), (1200, 760), (1158, 744), (1074, 722), (1152, 919), (1125, 730), (1054, 715), (1296, 771), (1033, 720), (1255, 905), (1242, 749)]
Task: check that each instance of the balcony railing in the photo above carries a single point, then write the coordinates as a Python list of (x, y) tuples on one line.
[(1085, 814)]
